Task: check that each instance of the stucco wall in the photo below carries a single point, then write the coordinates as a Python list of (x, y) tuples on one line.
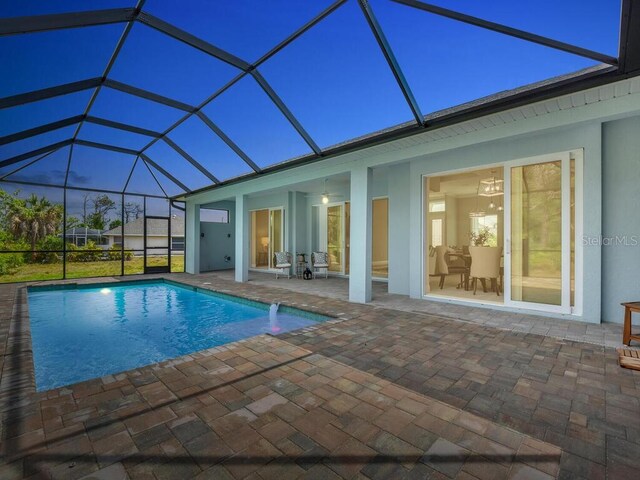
[(620, 216), (218, 241), (555, 125)]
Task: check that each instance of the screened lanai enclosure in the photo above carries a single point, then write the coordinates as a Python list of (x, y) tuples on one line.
[(113, 111)]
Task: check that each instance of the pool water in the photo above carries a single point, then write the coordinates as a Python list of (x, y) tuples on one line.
[(82, 333)]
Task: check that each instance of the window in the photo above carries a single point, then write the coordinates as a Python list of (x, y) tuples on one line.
[(177, 243), (487, 224), (212, 215), (437, 206), (436, 232)]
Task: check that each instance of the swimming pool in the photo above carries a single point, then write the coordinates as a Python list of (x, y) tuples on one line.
[(83, 332)]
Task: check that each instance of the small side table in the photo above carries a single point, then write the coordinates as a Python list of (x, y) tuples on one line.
[(629, 308), (300, 268)]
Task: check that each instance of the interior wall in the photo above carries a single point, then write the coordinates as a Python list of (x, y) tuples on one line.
[(451, 223), (380, 227), (464, 205), (620, 220), (217, 241)]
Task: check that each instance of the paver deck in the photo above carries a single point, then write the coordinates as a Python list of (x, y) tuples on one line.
[(376, 393)]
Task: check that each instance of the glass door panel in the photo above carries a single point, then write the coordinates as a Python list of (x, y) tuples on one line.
[(539, 230), (275, 230), (260, 239), (347, 236), (335, 239), (380, 238)]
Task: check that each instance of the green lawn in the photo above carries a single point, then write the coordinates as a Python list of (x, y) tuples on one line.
[(53, 271)]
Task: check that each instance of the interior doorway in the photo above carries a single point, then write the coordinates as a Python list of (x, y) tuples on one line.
[(267, 236)]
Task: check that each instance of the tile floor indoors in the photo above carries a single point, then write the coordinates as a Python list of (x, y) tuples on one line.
[(383, 391)]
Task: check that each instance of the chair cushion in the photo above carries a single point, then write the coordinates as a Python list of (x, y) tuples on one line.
[(282, 258), (321, 265), (320, 259)]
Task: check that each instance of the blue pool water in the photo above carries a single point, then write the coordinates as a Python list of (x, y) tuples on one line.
[(83, 333)]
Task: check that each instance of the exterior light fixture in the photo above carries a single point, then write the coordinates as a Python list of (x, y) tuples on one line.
[(325, 194)]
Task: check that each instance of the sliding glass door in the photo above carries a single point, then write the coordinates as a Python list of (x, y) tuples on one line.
[(336, 238), (267, 227), (541, 230), (530, 210), (380, 238)]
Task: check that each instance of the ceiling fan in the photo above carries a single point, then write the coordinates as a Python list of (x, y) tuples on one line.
[(325, 194)]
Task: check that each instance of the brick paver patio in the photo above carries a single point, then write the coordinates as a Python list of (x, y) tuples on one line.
[(376, 393)]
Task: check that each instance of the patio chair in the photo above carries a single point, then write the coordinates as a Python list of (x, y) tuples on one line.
[(485, 263), (282, 262), (320, 261)]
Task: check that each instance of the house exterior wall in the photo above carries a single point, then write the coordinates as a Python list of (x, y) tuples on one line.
[(586, 136), (620, 218), (597, 121), (217, 246)]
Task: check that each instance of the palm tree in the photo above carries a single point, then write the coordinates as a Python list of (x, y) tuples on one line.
[(33, 219)]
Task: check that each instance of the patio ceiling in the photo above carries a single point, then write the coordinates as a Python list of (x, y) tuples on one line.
[(186, 97)]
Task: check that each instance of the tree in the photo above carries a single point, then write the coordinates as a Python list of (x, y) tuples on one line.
[(32, 219), (102, 205), (132, 211), (73, 222), (114, 224)]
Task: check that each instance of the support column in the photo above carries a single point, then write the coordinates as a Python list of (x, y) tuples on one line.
[(242, 239), (192, 255), (360, 252)]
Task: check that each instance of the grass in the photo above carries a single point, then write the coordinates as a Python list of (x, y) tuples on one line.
[(109, 268)]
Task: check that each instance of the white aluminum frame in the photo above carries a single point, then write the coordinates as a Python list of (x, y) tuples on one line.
[(565, 307), (269, 269)]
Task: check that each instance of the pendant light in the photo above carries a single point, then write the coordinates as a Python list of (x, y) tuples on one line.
[(477, 213)]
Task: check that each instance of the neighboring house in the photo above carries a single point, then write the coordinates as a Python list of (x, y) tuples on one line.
[(79, 236), (156, 234)]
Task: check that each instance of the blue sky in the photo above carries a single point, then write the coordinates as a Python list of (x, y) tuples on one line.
[(333, 78)]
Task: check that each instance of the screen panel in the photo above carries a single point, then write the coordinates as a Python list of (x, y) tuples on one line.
[(479, 62), (47, 7), (551, 18), (30, 115), (113, 136), (336, 80), (174, 163), (97, 168), (132, 110), (246, 28), (46, 59), (204, 145), (49, 169), (142, 181), (247, 115), (156, 62), (26, 145)]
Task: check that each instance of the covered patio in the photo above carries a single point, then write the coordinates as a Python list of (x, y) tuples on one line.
[(605, 334)]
